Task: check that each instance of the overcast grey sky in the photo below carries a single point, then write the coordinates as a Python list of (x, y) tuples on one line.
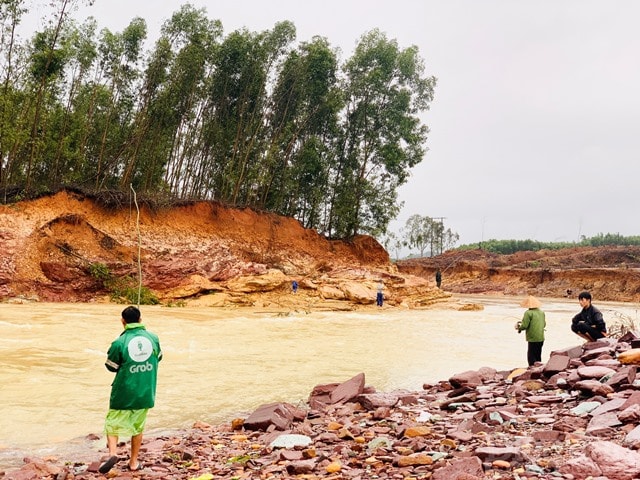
[(535, 125)]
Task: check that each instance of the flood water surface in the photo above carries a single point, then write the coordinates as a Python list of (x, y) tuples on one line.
[(221, 363)]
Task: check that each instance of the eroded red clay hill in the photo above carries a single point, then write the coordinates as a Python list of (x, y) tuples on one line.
[(207, 254), (610, 273), (199, 252)]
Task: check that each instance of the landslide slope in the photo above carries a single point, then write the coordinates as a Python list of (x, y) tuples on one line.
[(610, 273), (50, 246)]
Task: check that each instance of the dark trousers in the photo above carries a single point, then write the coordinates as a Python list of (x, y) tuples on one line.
[(379, 299), (586, 329), (534, 352)]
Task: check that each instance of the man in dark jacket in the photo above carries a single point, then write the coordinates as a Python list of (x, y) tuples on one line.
[(589, 323)]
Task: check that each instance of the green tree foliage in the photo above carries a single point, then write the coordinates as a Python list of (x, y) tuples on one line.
[(49, 56), (447, 238), (506, 247), (381, 137), (305, 106), (167, 117), (392, 243), (424, 232), (246, 118), (609, 239), (120, 57), (13, 92), (419, 233), (123, 289)]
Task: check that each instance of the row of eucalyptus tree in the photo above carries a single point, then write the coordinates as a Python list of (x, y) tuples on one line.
[(247, 118), (426, 234)]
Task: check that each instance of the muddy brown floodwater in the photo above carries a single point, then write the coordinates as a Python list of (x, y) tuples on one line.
[(222, 363)]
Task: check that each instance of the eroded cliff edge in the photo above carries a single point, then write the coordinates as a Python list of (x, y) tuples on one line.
[(610, 273), (199, 253)]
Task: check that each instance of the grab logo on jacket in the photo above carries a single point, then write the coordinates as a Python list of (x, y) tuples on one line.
[(140, 348)]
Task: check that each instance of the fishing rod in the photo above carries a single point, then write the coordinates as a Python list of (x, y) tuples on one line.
[(135, 201)]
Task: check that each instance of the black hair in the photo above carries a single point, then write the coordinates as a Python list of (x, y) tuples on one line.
[(586, 295), (131, 315)]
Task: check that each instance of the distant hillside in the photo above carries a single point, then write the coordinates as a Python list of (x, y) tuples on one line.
[(610, 273)]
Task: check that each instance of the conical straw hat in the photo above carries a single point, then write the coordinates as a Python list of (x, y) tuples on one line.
[(531, 302)]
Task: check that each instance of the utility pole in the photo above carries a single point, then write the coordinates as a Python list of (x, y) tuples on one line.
[(441, 231)]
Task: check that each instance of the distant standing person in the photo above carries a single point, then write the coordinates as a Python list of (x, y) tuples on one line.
[(438, 278), (294, 286), (134, 357), (589, 323), (379, 295), (533, 322)]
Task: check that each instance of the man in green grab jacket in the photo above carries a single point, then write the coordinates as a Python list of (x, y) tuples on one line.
[(533, 322), (134, 358)]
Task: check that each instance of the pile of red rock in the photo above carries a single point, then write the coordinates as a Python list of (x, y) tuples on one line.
[(576, 417)]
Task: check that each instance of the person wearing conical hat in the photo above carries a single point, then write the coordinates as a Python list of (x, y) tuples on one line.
[(533, 322)]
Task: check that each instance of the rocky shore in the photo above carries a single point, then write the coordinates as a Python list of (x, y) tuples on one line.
[(576, 417)]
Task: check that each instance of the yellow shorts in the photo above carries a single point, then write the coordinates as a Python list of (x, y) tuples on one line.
[(125, 423)]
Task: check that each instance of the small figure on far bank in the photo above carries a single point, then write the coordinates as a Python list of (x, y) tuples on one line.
[(533, 322), (589, 323), (134, 357), (380, 295), (438, 278), (294, 286)]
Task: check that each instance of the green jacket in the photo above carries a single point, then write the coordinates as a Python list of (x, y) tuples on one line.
[(533, 323), (134, 356)]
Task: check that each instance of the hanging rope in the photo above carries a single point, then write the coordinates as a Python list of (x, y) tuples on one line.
[(135, 201)]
